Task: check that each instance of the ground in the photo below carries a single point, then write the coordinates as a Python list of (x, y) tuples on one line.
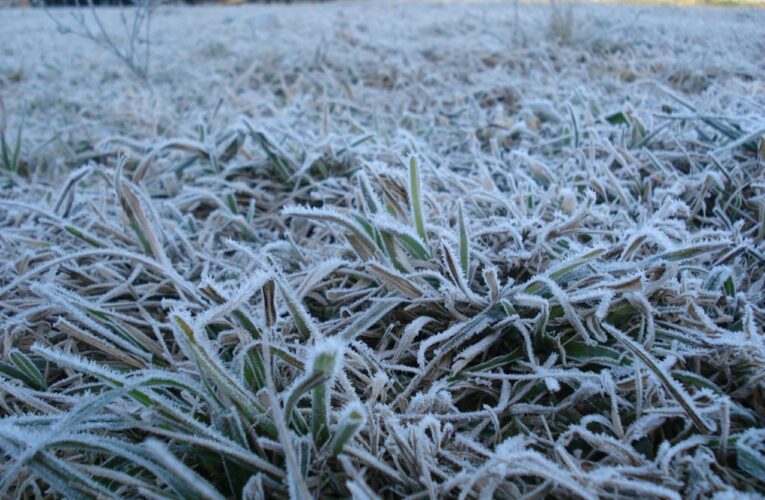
[(394, 248), (278, 63)]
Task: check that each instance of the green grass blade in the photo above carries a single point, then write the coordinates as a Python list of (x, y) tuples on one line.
[(415, 199)]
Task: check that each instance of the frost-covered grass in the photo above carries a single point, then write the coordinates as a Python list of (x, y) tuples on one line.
[(383, 250)]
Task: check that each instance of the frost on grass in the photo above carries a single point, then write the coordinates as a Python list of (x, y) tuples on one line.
[(439, 255)]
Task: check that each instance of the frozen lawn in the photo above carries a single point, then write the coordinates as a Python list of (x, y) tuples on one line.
[(425, 249)]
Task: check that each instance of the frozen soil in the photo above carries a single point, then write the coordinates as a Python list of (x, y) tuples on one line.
[(386, 249)]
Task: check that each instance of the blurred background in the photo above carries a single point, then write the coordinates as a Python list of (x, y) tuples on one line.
[(32, 3)]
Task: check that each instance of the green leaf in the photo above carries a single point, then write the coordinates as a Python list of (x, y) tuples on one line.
[(749, 456), (17, 145), (6, 157), (415, 199), (691, 251), (697, 380), (349, 425), (556, 275), (308, 383), (281, 164), (368, 246), (324, 364), (617, 118), (25, 365), (593, 353), (464, 243), (12, 372), (303, 320)]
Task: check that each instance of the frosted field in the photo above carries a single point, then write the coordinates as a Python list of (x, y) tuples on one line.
[(385, 250)]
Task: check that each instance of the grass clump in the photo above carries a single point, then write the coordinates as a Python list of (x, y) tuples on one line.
[(567, 308)]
